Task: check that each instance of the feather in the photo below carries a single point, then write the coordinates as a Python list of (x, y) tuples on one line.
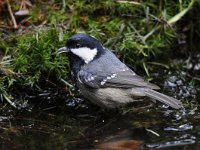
[(174, 103)]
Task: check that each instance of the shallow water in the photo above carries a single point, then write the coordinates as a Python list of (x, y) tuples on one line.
[(68, 127), (49, 122)]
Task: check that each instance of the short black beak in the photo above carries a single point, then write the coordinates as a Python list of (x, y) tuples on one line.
[(63, 50)]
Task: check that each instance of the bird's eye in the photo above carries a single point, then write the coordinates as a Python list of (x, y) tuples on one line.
[(78, 45)]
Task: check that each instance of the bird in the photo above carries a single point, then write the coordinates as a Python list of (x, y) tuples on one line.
[(105, 80)]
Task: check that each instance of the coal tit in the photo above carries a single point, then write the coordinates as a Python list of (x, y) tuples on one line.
[(104, 79)]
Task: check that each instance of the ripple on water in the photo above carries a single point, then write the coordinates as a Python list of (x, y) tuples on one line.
[(172, 143), (182, 127)]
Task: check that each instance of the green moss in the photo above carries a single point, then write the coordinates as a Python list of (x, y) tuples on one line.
[(34, 60), (35, 54)]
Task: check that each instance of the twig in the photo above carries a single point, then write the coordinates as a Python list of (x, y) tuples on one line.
[(193, 77), (11, 15), (159, 64), (153, 132), (6, 97), (129, 2), (66, 83)]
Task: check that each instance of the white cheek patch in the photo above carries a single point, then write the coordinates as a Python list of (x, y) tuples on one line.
[(85, 53)]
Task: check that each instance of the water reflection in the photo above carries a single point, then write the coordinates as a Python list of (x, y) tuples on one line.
[(62, 127)]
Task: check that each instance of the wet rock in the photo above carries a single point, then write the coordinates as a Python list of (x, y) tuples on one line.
[(72, 102), (193, 64), (180, 87)]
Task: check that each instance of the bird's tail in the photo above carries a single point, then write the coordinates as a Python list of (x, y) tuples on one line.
[(174, 103)]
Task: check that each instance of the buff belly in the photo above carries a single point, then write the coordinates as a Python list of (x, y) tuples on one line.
[(109, 97)]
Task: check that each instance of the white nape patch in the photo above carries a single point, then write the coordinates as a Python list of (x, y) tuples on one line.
[(85, 53)]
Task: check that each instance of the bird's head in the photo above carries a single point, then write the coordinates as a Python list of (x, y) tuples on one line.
[(83, 47)]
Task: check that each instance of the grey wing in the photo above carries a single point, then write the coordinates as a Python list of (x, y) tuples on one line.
[(111, 72), (123, 79), (90, 79), (128, 79)]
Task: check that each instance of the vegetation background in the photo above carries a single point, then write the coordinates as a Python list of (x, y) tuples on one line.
[(147, 35), (39, 106)]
